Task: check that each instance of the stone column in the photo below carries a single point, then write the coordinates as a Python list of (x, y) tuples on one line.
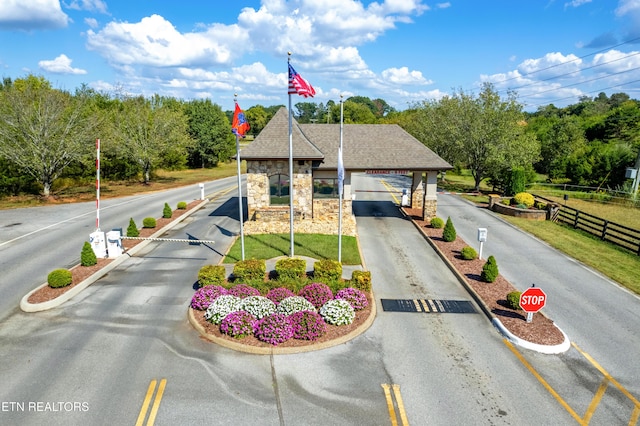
[(429, 208), (417, 191)]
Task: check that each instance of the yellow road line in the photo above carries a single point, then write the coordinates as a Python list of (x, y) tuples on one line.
[(390, 189), (543, 382), (595, 401), (392, 410), (156, 403), (403, 414), (147, 400)]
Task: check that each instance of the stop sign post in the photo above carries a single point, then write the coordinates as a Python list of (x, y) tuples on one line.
[(532, 300)]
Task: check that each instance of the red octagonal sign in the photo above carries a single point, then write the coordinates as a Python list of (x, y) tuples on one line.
[(533, 299)]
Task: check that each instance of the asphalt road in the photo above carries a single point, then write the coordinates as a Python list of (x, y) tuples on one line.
[(100, 357)]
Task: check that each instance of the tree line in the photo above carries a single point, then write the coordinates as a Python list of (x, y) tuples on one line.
[(48, 134)]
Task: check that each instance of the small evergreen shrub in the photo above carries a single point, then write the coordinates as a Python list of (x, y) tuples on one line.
[(238, 324), (468, 253), (524, 198), (327, 270), (276, 295), (203, 296), (522, 206), (361, 280), (294, 304), (243, 290), (436, 223), (338, 312), (449, 232), (356, 298), (291, 268), (274, 329), (316, 293), (517, 181), (211, 275), (132, 229), (258, 306), (87, 255), (59, 278), (490, 270), (149, 222), (221, 307), (307, 325), (182, 205), (250, 269), (166, 211), (513, 300)]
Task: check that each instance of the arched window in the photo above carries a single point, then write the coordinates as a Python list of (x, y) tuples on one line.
[(279, 189)]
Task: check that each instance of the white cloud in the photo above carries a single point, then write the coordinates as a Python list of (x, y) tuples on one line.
[(91, 22), (551, 64), (60, 65), (576, 3), (404, 76), (32, 15), (627, 6), (90, 5)]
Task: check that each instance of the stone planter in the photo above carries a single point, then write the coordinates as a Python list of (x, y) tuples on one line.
[(531, 214)]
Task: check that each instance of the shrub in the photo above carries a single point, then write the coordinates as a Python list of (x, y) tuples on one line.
[(221, 307), (294, 304), (307, 325), (250, 269), (436, 223), (238, 324), (132, 229), (59, 278), (513, 300), (203, 296), (274, 329), (182, 205), (316, 293), (449, 232), (87, 255), (338, 312), (361, 280), (211, 275), (517, 181), (243, 290), (291, 268), (356, 298), (276, 295), (149, 222), (489, 270), (166, 211), (524, 198), (258, 306), (327, 270), (468, 253)]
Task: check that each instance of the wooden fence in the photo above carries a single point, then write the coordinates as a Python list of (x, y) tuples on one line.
[(612, 232)]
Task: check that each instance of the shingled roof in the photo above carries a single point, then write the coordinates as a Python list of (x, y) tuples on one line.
[(365, 146)]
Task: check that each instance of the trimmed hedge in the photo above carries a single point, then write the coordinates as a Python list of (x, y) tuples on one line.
[(327, 270), (211, 275), (524, 198), (361, 280), (182, 205), (59, 278), (468, 253), (250, 269), (436, 223), (513, 300), (291, 268), (149, 222)]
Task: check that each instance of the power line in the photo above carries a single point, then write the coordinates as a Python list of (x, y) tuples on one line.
[(592, 91)]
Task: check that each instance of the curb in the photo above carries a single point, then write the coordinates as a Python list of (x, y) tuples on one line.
[(50, 304), (545, 349)]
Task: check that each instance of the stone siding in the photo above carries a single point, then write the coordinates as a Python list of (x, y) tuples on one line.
[(430, 208)]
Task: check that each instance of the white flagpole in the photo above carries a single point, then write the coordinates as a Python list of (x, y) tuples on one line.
[(291, 253), (240, 212), (340, 182)]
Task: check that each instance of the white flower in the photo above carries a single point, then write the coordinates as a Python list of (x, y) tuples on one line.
[(258, 306), (292, 304), (221, 307), (338, 312)]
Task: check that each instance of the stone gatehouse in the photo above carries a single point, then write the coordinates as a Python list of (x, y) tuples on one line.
[(371, 148)]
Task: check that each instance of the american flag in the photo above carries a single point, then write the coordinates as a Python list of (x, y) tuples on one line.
[(298, 85)]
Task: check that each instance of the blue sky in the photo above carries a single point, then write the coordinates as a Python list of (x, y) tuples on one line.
[(402, 51)]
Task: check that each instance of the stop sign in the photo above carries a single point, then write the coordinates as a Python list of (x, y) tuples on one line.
[(533, 299)]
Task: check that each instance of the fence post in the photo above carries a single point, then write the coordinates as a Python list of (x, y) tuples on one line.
[(604, 230), (575, 220)]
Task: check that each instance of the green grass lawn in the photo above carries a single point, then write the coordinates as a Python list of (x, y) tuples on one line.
[(318, 246)]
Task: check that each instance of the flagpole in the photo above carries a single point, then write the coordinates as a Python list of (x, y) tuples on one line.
[(240, 212), (340, 182), (291, 253)]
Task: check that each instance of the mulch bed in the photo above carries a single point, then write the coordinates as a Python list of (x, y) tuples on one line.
[(79, 273), (541, 330)]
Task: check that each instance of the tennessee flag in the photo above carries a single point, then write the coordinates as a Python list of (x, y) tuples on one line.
[(240, 125), (298, 85)]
